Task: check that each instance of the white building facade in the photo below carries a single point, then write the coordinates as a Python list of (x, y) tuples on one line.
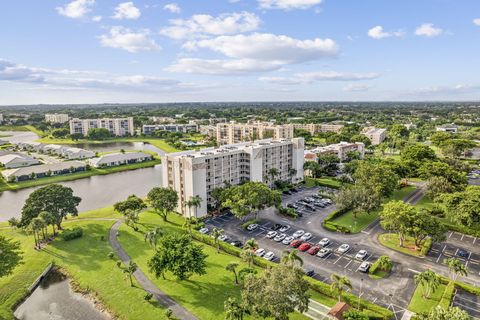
[(376, 135), (148, 129), (198, 173), (116, 126), (56, 117), (230, 133), (340, 150)]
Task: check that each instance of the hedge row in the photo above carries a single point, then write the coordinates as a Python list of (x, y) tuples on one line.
[(461, 229), (70, 234), (447, 296), (373, 311), (375, 266), (427, 245), (328, 223)]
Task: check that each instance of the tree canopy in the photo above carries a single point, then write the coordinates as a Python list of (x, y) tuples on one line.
[(10, 255), (163, 201), (463, 207)]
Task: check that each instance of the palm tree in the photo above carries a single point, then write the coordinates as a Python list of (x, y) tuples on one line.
[(233, 309), (291, 258), (339, 283), (384, 263), (232, 266), (429, 281), (36, 225), (189, 222), (195, 202), (251, 244), (152, 237), (248, 256), (129, 270), (273, 172), (49, 219), (217, 232), (292, 172), (456, 267)]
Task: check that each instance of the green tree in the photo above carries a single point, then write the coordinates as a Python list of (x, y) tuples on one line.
[(233, 309), (194, 202), (438, 138), (456, 267), (429, 281), (178, 254), (49, 219), (248, 256), (10, 256), (339, 283), (358, 199), (188, 223), (129, 270), (54, 198), (163, 201), (384, 263), (291, 258), (251, 244), (439, 313), (312, 169), (152, 237), (463, 207), (354, 315), (418, 153), (98, 134), (441, 169), (376, 177), (328, 163), (216, 233), (456, 147), (36, 226), (438, 185), (130, 208), (398, 217), (232, 266)]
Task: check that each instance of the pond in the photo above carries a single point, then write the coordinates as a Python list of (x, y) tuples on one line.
[(54, 299), (117, 146)]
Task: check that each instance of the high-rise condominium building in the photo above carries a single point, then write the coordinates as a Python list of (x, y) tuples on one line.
[(229, 133), (376, 135), (56, 117), (116, 126), (148, 129), (198, 173)]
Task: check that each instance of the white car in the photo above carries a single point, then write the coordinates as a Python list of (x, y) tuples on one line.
[(252, 227), (260, 252), (343, 248), (361, 255), (324, 252), (280, 237), (298, 234), (306, 236), (284, 228), (324, 242), (203, 230), (271, 234), (223, 237), (364, 267), (287, 240), (269, 256)]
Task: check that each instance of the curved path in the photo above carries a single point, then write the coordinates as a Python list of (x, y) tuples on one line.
[(178, 311)]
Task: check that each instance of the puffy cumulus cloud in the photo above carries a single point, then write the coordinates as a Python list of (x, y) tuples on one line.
[(311, 77), (201, 25), (172, 7), (97, 18), (221, 67), (129, 40), (378, 33), (288, 4), (17, 72), (279, 49), (76, 9), (126, 10), (476, 21), (428, 30)]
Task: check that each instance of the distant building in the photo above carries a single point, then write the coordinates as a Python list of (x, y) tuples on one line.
[(340, 150), (451, 128), (44, 170), (56, 117), (376, 135), (230, 133), (148, 129), (56, 150), (315, 128), (161, 119), (17, 160), (410, 126), (116, 126), (77, 153), (3, 142), (209, 130), (117, 159), (1, 118), (198, 173)]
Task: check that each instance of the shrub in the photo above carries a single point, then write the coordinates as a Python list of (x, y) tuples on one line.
[(376, 266), (426, 247), (447, 296), (289, 212), (249, 222), (148, 296), (70, 234)]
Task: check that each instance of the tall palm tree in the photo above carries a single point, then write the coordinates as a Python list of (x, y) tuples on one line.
[(49, 219), (217, 232), (129, 270), (189, 222), (456, 267), (429, 281), (273, 173), (232, 266), (251, 244), (339, 284), (152, 237), (36, 225), (385, 263), (291, 258), (292, 172), (195, 202), (233, 309), (248, 256)]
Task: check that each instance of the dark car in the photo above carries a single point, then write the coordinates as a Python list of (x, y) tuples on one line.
[(310, 273), (299, 214), (276, 226), (463, 254), (236, 243), (290, 205), (294, 190), (287, 192)]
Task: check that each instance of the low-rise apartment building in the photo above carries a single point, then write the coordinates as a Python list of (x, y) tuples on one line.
[(376, 135), (149, 129), (117, 159), (44, 170), (17, 160), (315, 128), (340, 150), (193, 173), (56, 118), (116, 126), (450, 128), (230, 133)]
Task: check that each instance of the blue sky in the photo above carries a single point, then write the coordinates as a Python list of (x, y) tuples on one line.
[(95, 51)]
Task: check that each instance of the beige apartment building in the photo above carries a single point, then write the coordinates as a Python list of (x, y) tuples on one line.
[(340, 150), (116, 126), (315, 128), (229, 133), (198, 173), (376, 135), (56, 117)]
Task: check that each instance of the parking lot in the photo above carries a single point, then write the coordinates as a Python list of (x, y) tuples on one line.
[(468, 302)]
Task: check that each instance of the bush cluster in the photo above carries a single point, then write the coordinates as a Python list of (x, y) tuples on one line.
[(70, 234)]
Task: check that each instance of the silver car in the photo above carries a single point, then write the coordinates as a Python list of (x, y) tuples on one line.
[(298, 234), (343, 248), (280, 237), (287, 240)]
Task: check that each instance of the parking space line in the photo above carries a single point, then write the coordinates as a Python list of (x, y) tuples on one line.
[(450, 234), (439, 256), (414, 271), (340, 257), (348, 264), (463, 235)]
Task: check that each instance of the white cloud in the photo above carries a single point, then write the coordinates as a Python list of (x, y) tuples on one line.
[(172, 7), (97, 18), (311, 77), (126, 10), (221, 67), (357, 87), (76, 9), (279, 49), (378, 33), (476, 21), (456, 89), (126, 39), (201, 25), (288, 4), (428, 30)]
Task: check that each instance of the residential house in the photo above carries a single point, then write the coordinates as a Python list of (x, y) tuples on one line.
[(17, 160), (44, 170), (117, 159)]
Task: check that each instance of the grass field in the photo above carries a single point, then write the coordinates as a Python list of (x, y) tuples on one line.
[(419, 304), (328, 182), (391, 240), (22, 128), (74, 176)]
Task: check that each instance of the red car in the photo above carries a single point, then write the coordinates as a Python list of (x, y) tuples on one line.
[(296, 243), (304, 246), (313, 250)]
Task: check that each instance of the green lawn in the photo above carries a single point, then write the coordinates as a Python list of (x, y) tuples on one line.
[(22, 128), (391, 240), (419, 304), (425, 202), (74, 176), (327, 182)]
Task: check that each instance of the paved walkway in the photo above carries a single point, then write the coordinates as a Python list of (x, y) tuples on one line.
[(142, 279)]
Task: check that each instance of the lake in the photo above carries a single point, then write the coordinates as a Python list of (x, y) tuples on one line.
[(117, 146)]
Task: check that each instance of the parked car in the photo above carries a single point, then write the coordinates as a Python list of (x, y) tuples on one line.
[(203, 230), (296, 243), (324, 242), (280, 237), (463, 253), (294, 190), (252, 227), (313, 250), (324, 252), (310, 273), (236, 243), (361, 255), (306, 236), (287, 192), (271, 234), (297, 234), (276, 226), (343, 248), (319, 204), (284, 228), (269, 256), (304, 246), (364, 267), (260, 252), (310, 207), (288, 240), (223, 237)]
